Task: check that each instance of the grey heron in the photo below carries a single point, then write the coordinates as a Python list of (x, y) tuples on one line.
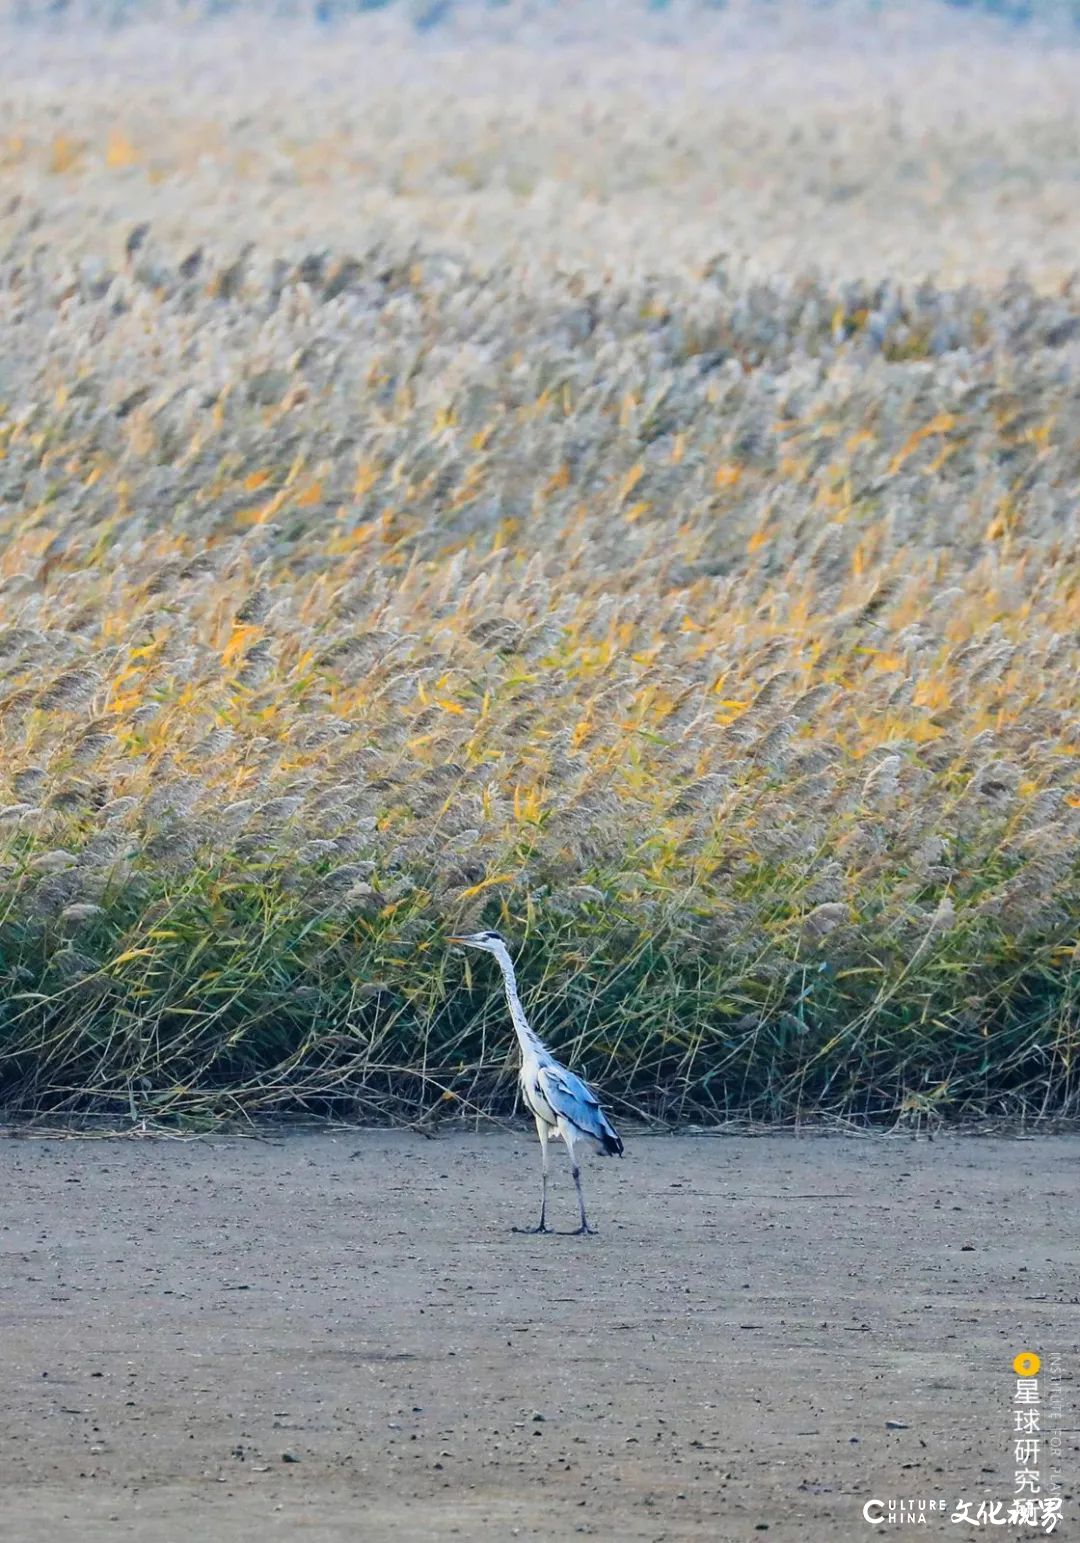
[(564, 1107)]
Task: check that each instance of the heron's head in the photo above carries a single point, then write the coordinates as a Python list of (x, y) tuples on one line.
[(490, 942)]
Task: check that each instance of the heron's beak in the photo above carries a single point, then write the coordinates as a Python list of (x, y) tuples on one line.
[(457, 940)]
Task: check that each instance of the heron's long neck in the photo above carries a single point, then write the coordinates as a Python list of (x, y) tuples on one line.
[(526, 1038)]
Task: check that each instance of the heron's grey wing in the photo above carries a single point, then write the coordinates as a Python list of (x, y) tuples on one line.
[(577, 1103)]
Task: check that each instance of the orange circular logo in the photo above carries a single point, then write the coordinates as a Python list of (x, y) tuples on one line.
[(1026, 1364)]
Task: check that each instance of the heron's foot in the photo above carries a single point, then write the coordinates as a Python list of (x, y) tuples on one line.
[(531, 1231), (582, 1230)]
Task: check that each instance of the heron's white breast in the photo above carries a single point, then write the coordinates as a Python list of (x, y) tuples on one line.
[(530, 1091)]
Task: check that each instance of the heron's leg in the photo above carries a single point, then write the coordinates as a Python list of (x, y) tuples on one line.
[(580, 1198), (576, 1170), (542, 1132)]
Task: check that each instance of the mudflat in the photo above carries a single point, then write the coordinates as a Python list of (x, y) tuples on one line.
[(338, 1336)]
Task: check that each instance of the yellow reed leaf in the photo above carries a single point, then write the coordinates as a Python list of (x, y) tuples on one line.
[(631, 480), (241, 635), (310, 496), (63, 154), (934, 694), (367, 474), (476, 889), (727, 474), (948, 449), (558, 479), (256, 480), (260, 514), (835, 496), (119, 151), (940, 424), (349, 539), (474, 475), (1003, 520), (115, 624), (129, 672), (527, 804)]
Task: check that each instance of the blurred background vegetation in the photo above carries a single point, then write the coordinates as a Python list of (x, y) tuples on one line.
[(621, 494), (430, 15)]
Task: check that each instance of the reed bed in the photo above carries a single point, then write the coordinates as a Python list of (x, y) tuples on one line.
[(410, 524)]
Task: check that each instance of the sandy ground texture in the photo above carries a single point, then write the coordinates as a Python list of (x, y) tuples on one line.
[(339, 1336)]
